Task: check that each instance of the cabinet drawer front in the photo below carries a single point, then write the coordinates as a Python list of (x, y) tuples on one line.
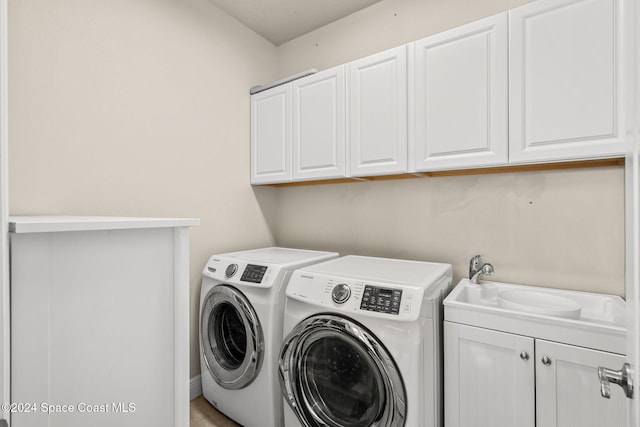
[(566, 80)]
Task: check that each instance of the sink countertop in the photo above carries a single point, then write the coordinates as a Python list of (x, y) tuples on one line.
[(601, 324)]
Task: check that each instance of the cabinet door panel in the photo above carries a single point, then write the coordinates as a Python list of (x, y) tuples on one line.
[(459, 97), (487, 383), (378, 113), (271, 135), (566, 80), (568, 390), (319, 125)]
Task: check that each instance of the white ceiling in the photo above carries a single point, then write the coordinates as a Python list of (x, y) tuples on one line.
[(282, 20)]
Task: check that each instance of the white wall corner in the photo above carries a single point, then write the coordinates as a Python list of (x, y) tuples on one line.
[(195, 387)]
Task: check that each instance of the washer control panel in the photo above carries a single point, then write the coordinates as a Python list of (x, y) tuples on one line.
[(253, 273), (381, 300), (400, 302)]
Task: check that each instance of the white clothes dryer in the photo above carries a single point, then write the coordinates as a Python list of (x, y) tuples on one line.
[(363, 343), (241, 309)]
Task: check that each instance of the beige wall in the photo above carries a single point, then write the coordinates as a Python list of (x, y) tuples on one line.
[(561, 228), (386, 24), (138, 108)]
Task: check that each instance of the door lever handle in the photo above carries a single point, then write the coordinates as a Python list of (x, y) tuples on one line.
[(621, 377)]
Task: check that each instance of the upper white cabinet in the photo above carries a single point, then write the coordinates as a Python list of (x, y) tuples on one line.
[(378, 113), (319, 125), (566, 80), (458, 97), (298, 129), (544, 82), (271, 135)]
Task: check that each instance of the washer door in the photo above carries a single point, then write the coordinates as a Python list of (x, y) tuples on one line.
[(335, 372), (232, 338)]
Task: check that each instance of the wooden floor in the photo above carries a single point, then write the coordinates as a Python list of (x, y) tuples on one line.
[(203, 414)]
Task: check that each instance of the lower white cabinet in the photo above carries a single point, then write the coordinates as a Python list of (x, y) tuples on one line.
[(500, 379), (568, 390), (487, 384)]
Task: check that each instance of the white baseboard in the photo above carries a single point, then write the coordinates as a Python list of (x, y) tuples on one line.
[(195, 387)]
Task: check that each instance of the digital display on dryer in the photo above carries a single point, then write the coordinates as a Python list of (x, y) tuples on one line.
[(253, 273), (381, 300)]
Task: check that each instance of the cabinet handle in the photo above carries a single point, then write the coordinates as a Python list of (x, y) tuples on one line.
[(621, 377), (546, 361), (524, 356)]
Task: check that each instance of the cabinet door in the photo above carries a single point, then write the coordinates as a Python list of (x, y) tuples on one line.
[(271, 135), (458, 97), (319, 125), (566, 80), (378, 113), (489, 378), (568, 390)]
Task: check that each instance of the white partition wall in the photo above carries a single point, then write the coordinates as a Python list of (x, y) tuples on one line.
[(4, 213), (633, 271), (99, 321), (632, 225)]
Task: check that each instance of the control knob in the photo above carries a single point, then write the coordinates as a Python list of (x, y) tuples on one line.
[(231, 270), (341, 293)]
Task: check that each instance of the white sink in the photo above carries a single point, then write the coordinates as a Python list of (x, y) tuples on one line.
[(590, 320), (539, 302)]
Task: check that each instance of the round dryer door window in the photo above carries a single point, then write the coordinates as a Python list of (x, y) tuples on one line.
[(335, 372), (231, 337)]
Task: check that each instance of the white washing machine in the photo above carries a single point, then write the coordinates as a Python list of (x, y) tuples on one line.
[(241, 309), (363, 343)]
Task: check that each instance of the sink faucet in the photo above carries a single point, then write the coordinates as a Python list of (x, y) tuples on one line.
[(476, 268)]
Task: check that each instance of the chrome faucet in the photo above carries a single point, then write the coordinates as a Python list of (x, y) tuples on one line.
[(476, 268)]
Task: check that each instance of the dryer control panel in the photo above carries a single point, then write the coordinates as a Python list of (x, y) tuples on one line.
[(253, 273), (236, 272)]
